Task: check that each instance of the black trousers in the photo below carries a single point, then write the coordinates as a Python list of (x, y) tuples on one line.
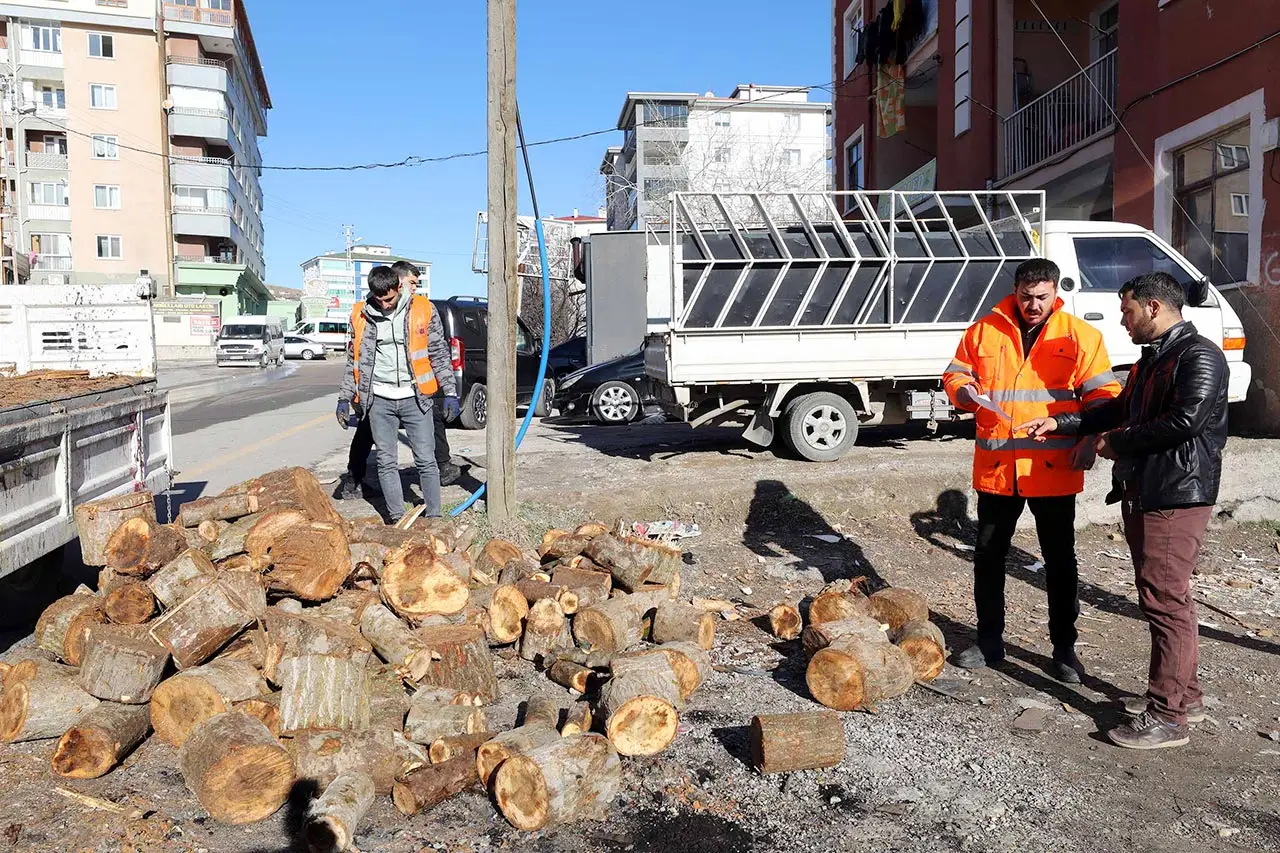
[(362, 445), (1056, 528)]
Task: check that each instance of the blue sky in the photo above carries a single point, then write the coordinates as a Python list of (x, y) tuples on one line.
[(384, 79)]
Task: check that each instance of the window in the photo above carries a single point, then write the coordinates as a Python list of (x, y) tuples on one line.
[(106, 147), (52, 251), (106, 197), (109, 247), (853, 23), (102, 46), (791, 122), (721, 154), (200, 199), (102, 97), (721, 117), (792, 156), (666, 115), (1211, 216), (657, 189), (224, 5), (55, 144), (47, 39), (1108, 262), (662, 153), (854, 169), (333, 328), (53, 99), (1106, 29), (50, 193)]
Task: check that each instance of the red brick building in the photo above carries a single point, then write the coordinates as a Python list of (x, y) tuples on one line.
[(1023, 94)]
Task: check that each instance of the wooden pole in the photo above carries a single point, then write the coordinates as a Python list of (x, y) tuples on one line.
[(500, 462)]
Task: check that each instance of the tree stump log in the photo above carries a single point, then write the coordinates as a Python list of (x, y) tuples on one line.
[(564, 546), (639, 705), (627, 569), (181, 577), (122, 664), (217, 508), (265, 707), (231, 541), (64, 625), (689, 661), (490, 755), (577, 719), (519, 569), (785, 622), (464, 664), (675, 623), (663, 559), (427, 787), (536, 590), (100, 740), (429, 721), (322, 756), (897, 606), (332, 818), (394, 642), (449, 747), (416, 582), (129, 603), (294, 488), (291, 634), (853, 673), (97, 520), (495, 554), (610, 626), (924, 644), (324, 692), (569, 674), (140, 546), (575, 778), (591, 587), (781, 743), (238, 771), (203, 623), (838, 600), (505, 610), (816, 637), (186, 700), (41, 709), (267, 528), (546, 632), (309, 561)]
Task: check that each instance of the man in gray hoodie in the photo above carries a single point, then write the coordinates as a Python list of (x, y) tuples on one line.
[(397, 359)]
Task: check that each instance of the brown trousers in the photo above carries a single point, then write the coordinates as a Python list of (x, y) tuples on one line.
[(1165, 545)]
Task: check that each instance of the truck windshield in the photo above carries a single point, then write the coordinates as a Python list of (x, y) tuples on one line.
[(240, 331)]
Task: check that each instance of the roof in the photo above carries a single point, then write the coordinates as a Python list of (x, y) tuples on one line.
[(633, 98), (356, 255), (578, 218)]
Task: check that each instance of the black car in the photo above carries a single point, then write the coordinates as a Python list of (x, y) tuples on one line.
[(466, 325), (612, 392), (567, 357)]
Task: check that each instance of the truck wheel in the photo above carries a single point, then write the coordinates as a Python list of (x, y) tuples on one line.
[(615, 403), (543, 407), (475, 408), (821, 426)]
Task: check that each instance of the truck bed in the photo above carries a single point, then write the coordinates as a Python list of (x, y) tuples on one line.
[(60, 386)]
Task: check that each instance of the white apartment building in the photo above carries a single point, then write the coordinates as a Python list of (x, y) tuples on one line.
[(759, 139), (336, 281)]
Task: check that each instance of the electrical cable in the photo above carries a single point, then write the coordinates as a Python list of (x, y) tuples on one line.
[(538, 389)]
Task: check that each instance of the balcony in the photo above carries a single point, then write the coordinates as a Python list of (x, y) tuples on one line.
[(49, 212), (54, 263), (202, 123), (41, 58), (43, 160), (197, 73), (1065, 118), (200, 172), (199, 15)]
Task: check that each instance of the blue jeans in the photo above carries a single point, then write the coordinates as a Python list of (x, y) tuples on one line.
[(386, 417)]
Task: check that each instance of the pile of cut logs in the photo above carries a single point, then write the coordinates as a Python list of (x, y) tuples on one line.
[(269, 641)]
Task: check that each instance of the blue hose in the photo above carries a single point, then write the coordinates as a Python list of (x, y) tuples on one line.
[(546, 319)]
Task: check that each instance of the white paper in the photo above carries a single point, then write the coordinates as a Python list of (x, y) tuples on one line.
[(991, 405)]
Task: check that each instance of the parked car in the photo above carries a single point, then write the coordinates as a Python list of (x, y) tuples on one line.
[(329, 332), (567, 357), (611, 392), (466, 326), (296, 346)]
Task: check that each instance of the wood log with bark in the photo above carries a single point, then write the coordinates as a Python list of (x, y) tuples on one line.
[(464, 662), (100, 740), (141, 545), (250, 647), (505, 611), (97, 520), (294, 488), (322, 756), (265, 707), (202, 624), (546, 632), (394, 642), (210, 531), (591, 529), (231, 541), (519, 569), (838, 600), (367, 559), (577, 718), (292, 634), (628, 570), (388, 701), (562, 547), (34, 666), (536, 590), (785, 622), (332, 818), (347, 606), (64, 625), (689, 661), (591, 587), (393, 537), (490, 755), (122, 664), (566, 673), (416, 582), (782, 743), (495, 554), (428, 721), (129, 603), (854, 672), (896, 606), (924, 644), (451, 746), (575, 778), (663, 559), (42, 708), (182, 702), (427, 787), (324, 692), (308, 560), (217, 508), (541, 711), (181, 577), (674, 623), (611, 626), (639, 704), (236, 768)]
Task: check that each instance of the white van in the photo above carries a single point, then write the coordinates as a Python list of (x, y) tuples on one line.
[(251, 340), (330, 332)]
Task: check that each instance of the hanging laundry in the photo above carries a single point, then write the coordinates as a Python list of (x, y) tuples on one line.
[(910, 28), (891, 100), (897, 14)]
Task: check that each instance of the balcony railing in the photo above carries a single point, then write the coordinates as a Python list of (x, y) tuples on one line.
[(41, 58), (192, 60), (45, 160), (199, 15), (53, 262), (212, 209), (199, 111), (208, 161), (49, 211), (1078, 109)]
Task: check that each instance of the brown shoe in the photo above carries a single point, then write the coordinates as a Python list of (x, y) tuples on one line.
[(1136, 705), (1147, 731)]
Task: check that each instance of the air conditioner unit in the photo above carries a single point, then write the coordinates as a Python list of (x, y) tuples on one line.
[(59, 278)]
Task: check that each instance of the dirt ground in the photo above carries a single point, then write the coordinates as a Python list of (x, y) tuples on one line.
[(40, 386), (1005, 760)]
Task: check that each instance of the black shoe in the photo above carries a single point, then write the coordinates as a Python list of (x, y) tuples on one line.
[(449, 474), (1066, 667), (348, 489), (975, 658), (372, 488)]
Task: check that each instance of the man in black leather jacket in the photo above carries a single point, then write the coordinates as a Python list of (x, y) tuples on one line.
[(1166, 433)]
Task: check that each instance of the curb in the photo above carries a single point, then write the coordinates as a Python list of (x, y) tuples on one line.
[(201, 390)]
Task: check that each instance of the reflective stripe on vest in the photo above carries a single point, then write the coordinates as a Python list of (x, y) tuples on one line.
[(418, 344)]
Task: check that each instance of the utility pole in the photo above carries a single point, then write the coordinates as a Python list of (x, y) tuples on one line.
[(500, 451)]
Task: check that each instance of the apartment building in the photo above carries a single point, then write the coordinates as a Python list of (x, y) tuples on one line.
[(131, 143), (759, 139), (1015, 94), (336, 281)]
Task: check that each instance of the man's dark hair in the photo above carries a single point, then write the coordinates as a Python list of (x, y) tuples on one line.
[(1036, 269), (1158, 286), (404, 269), (382, 279)]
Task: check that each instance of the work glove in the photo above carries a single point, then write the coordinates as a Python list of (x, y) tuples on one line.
[(451, 408), (968, 394), (343, 414)]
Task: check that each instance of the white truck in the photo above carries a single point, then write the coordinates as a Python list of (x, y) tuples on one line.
[(67, 440), (831, 311)]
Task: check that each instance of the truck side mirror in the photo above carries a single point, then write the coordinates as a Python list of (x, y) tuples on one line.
[(1197, 292), (1068, 284)]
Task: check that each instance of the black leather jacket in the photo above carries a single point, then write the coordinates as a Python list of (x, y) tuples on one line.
[(1170, 423)]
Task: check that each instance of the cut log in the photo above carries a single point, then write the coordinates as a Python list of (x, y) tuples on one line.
[(569, 674), (519, 569), (417, 583), (427, 787), (140, 546), (536, 590), (838, 600), (129, 603), (181, 577), (452, 746), (217, 508), (713, 605), (610, 626), (122, 664), (189, 698), (429, 721), (546, 632), (454, 535), (575, 778), (577, 719), (347, 606), (210, 531), (675, 623), (323, 692), (541, 711), (562, 547), (592, 588), (237, 563), (446, 696), (388, 701), (781, 743), (367, 559), (295, 488), (231, 541), (304, 634), (496, 554), (785, 622), (322, 756), (198, 627), (639, 705), (689, 661), (332, 818), (250, 647), (393, 538), (505, 610), (627, 569), (100, 740), (394, 642), (97, 520), (924, 644), (816, 637), (64, 625), (265, 708), (248, 588), (267, 528), (591, 529), (236, 768), (549, 538), (32, 668), (671, 588), (43, 708), (853, 673), (897, 606), (490, 755), (308, 561), (464, 662), (663, 559)]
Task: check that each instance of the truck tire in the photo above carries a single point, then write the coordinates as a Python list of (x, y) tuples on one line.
[(475, 408), (820, 426), (542, 408)]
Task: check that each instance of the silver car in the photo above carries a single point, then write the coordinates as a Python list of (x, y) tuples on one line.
[(304, 348)]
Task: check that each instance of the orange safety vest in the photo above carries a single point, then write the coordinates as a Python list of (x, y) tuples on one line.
[(1066, 370), (419, 353)]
